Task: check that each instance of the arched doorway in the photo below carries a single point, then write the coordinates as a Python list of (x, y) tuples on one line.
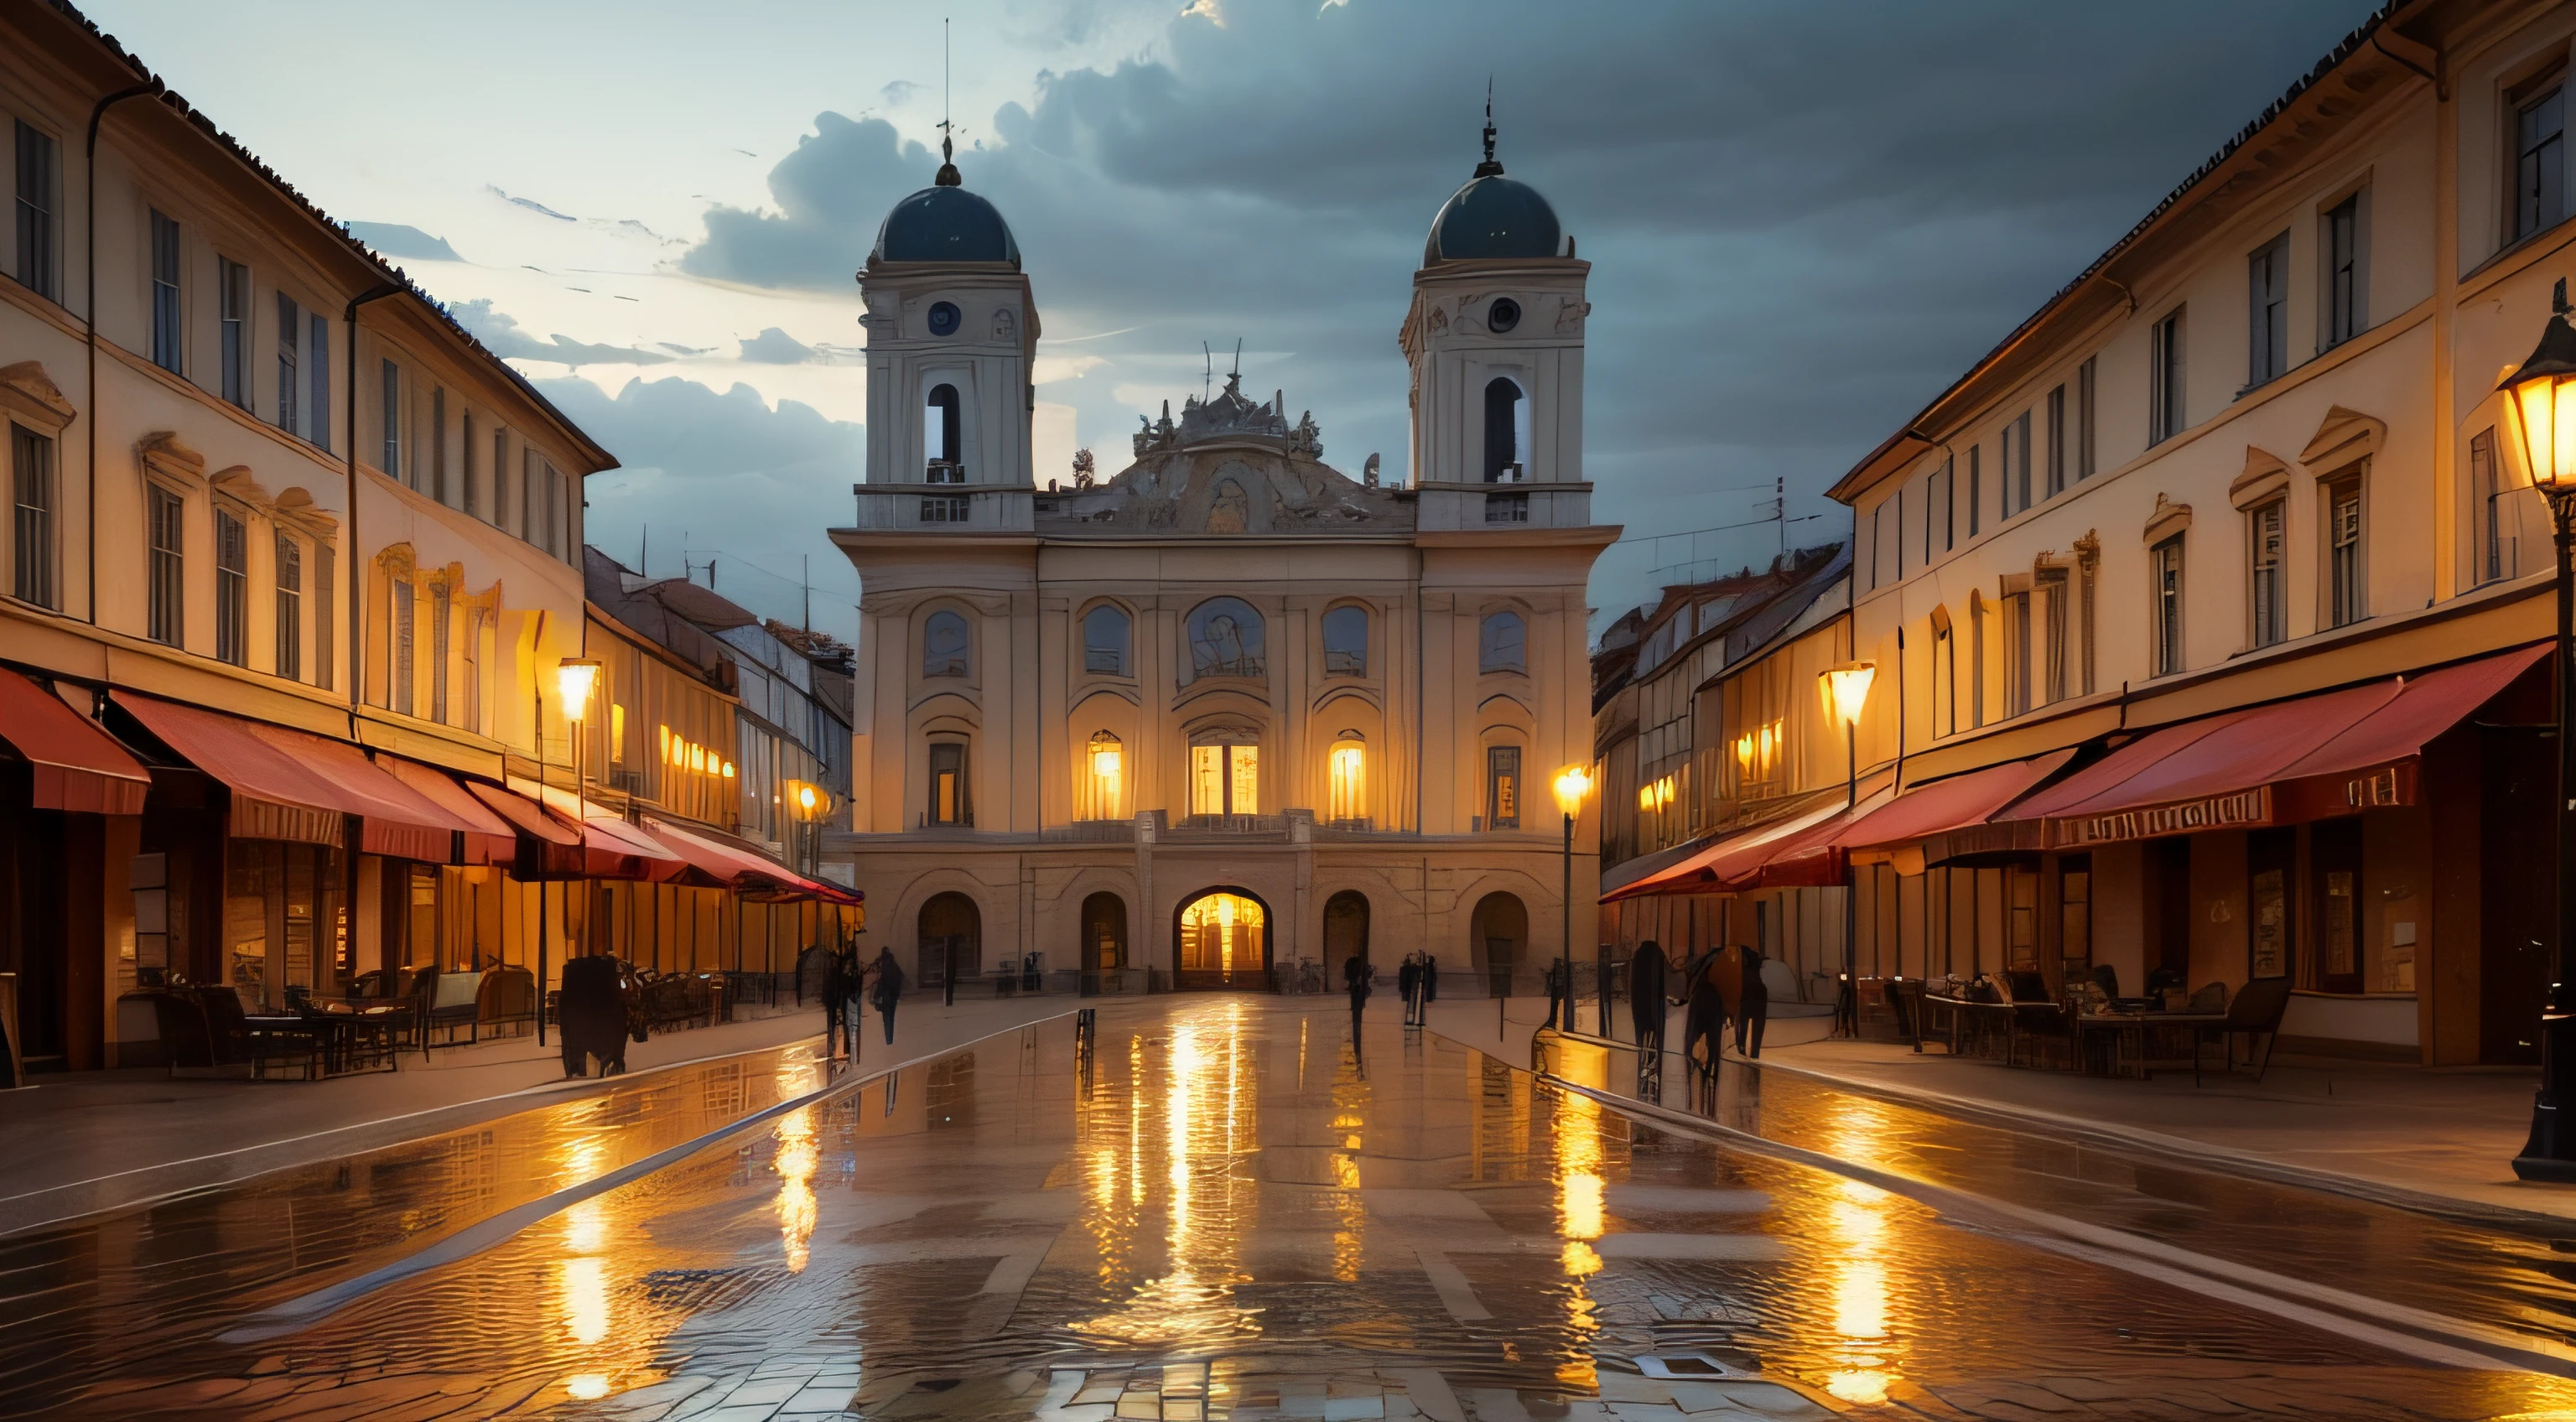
[(1498, 938), (1346, 931), (951, 938), (1104, 932), (1221, 939)]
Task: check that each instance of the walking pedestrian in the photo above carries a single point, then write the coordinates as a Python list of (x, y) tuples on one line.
[(1355, 980), (592, 1015), (1752, 1006), (887, 990), (841, 979), (1408, 985), (1646, 1006), (1556, 986), (1430, 984)]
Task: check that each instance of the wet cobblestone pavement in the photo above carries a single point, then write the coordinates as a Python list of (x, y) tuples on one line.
[(1220, 1211)]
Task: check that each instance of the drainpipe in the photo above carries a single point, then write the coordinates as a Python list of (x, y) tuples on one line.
[(89, 304), (357, 570)]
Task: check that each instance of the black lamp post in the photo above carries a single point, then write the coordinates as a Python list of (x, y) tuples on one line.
[(2543, 396), (1846, 690), (1572, 784)]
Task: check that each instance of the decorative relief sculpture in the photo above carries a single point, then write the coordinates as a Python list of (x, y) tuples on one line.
[(1006, 327), (1570, 314), (1368, 473)]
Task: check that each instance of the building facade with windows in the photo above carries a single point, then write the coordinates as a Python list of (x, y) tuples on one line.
[(1230, 709), (282, 535), (2226, 563)]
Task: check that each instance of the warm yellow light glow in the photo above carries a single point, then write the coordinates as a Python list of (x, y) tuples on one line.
[(1580, 1259), (1572, 784), (665, 733), (1846, 689), (616, 732), (1580, 1202), (1225, 910), (797, 1158), (585, 1298), (806, 799), (1348, 763), (589, 1387), (573, 680), (1106, 783), (728, 770), (2545, 407)]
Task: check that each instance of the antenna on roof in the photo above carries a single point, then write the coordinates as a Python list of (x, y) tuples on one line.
[(1207, 377), (1489, 167), (1238, 358), (947, 132)]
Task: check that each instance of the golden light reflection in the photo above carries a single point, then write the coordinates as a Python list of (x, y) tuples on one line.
[(1579, 1204), (1859, 1283), (589, 1387), (796, 1160), (1580, 1259), (584, 1286), (585, 1228)]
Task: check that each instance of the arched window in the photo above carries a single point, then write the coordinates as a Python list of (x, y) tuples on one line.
[(1105, 641), (1347, 795), (1225, 639), (949, 803), (943, 645), (1502, 431), (1225, 773), (1346, 642), (1102, 780), (942, 438), (1504, 647)]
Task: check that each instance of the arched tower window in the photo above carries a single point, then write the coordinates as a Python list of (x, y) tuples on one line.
[(1346, 642), (942, 437), (1348, 791), (1503, 455), (1105, 641), (943, 645), (1225, 639), (1504, 645)]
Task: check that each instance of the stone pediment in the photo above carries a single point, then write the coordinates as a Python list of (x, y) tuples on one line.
[(1225, 488)]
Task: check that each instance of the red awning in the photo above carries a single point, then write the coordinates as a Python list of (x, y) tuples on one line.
[(2305, 758), (752, 875), (1738, 862), (290, 785), (610, 848), (491, 841), (1947, 813), (78, 766)]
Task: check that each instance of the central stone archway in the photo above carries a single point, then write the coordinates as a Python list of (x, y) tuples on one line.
[(1220, 940)]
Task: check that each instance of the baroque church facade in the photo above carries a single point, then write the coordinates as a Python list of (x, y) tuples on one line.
[(1230, 711)]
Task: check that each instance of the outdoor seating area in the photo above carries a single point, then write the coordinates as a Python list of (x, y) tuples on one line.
[(2013, 1018)]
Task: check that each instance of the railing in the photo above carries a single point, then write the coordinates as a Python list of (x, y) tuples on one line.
[(1094, 832), (1507, 508), (943, 471), (1230, 826)]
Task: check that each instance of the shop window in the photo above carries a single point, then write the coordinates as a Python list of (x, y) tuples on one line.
[(949, 804), (1503, 643), (1102, 792), (2270, 857), (1347, 763), (1226, 639), (943, 645), (2334, 867), (1225, 776), (2075, 915), (1346, 642), (1107, 638), (1502, 787)]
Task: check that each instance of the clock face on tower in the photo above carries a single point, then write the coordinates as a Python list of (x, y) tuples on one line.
[(1503, 315), (943, 318)]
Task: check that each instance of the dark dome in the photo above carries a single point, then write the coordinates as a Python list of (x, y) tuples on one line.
[(1493, 216), (945, 224)]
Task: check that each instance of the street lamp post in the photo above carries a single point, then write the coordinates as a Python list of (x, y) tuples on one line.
[(2543, 396), (1572, 784), (1846, 691), (574, 677)]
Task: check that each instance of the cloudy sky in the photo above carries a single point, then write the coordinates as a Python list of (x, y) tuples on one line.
[(1804, 218)]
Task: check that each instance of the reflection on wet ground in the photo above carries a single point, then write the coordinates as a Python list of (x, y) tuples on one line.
[(1221, 1211)]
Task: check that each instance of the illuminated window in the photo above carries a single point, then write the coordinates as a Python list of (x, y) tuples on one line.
[(1221, 933), (1348, 763), (948, 802), (1225, 778), (1102, 791), (1502, 787)]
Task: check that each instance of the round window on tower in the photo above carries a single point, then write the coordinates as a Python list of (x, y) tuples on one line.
[(1503, 315), (943, 318)]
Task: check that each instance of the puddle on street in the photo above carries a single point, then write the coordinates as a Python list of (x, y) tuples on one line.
[(1219, 1211)]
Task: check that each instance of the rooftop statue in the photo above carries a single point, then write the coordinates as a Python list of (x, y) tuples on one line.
[(1230, 416)]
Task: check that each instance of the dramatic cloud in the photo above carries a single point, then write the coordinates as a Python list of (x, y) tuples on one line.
[(394, 239), (500, 331), (831, 194), (775, 347)]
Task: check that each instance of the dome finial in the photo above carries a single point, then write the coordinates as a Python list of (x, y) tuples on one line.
[(1489, 168), (948, 177)]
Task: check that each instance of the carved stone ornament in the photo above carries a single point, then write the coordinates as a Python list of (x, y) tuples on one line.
[(2168, 519), (2264, 477), (1570, 314), (1439, 322), (2343, 437), (1006, 327), (163, 454), (31, 395)]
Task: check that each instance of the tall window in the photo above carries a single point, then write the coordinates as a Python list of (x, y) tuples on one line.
[(233, 332), (1941, 511), (1503, 645), (948, 802), (1226, 639), (232, 589), (2266, 538), (1346, 642), (290, 607), (2347, 285), (2015, 470), (2267, 314), (943, 645), (393, 456), (317, 355), (2164, 563), (943, 438), (324, 615), (558, 515), (1103, 787), (465, 471), (475, 621), (168, 593), (402, 653), (39, 197), (439, 619), (1502, 431), (1945, 680), (2056, 443), (2165, 380), (2048, 586), (1502, 787), (1107, 636), (31, 479), (2017, 651), (2084, 420), (2343, 551), (168, 351), (528, 493), (2485, 489), (290, 331), (1978, 616), (2540, 162), (438, 444), (1346, 797), (1225, 776)]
